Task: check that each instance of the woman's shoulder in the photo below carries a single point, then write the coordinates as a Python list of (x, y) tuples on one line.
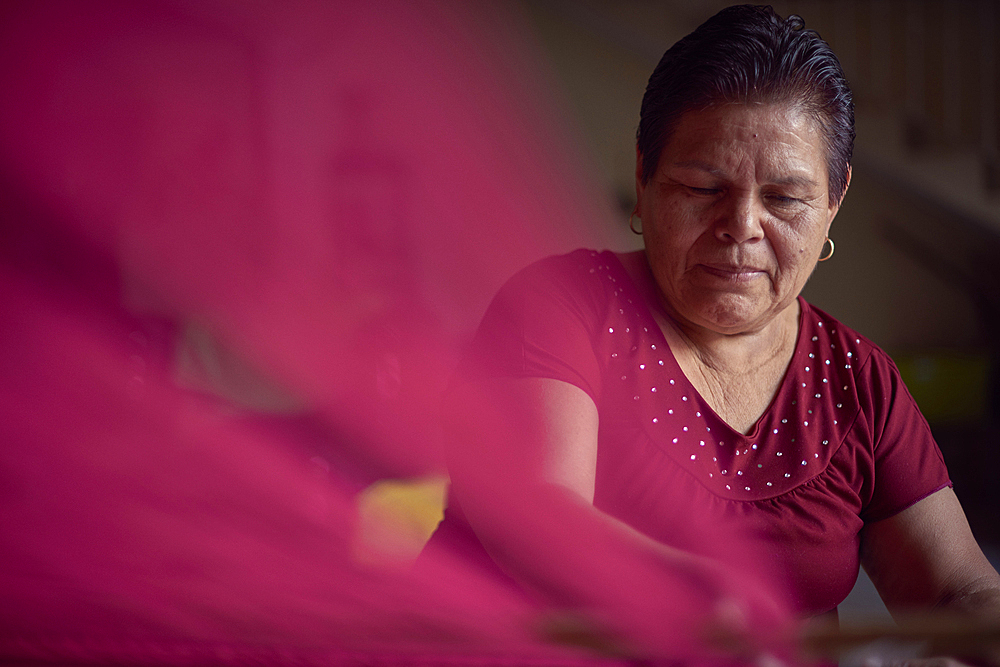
[(819, 326), (584, 273), (579, 261), (871, 369), (545, 321)]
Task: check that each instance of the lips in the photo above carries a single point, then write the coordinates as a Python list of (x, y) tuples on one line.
[(733, 272)]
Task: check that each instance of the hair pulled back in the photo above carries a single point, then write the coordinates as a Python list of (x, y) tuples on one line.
[(748, 54)]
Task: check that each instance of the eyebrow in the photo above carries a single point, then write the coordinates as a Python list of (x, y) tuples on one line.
[(699, 165), (791, 179)]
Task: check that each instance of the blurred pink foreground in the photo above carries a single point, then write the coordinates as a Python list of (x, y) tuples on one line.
[(242, 243)]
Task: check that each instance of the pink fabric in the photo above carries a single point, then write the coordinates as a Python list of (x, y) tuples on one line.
[(842, 443), (322, 187)]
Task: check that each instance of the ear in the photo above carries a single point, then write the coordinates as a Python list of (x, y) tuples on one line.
[(835, 208)]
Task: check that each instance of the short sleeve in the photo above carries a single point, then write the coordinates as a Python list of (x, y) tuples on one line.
[(542, 323), (908, 463)]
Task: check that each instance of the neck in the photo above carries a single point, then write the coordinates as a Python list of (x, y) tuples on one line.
[(734, 352)]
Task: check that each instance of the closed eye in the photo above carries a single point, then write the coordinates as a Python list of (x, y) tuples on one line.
[(782, 200), (703, 191)]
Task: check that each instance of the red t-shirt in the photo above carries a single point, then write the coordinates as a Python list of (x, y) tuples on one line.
[(842, 444)]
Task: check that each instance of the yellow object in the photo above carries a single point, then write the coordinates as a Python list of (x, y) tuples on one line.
[(396, 518)]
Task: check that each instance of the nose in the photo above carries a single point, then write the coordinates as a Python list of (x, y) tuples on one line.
[(739, 220)]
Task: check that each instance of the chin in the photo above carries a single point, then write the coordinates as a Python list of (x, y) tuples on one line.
[(732, 318)]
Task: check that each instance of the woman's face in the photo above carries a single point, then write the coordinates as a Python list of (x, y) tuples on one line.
[(736, 214)]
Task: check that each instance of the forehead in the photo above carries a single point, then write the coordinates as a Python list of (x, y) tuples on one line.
[(769, 140)]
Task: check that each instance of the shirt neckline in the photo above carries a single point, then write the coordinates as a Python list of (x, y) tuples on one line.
[(767, 416)]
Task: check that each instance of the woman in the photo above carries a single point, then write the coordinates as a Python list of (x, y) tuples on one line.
[(632, 396)]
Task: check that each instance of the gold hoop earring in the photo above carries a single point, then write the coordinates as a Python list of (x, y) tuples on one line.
[(631, 224), (829, 254)]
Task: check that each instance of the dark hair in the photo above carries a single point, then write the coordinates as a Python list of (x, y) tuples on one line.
[(749, 54)]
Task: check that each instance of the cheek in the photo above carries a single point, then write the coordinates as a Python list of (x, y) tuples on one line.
[(674, 248), (678, 226), (800, 237), (792, 249)]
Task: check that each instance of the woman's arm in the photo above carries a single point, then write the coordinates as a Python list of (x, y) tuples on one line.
[(926, 558), (523, 459)]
